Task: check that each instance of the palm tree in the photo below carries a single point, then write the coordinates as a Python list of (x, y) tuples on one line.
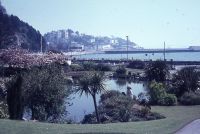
[(92, 84)]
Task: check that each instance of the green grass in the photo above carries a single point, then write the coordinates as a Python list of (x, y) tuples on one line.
[(177, 117)]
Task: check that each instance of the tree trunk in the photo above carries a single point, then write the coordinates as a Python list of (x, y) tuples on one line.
[(15, 99), (33, 113), (95, 106)]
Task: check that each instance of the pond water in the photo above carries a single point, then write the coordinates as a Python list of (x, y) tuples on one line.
[(83, 105)]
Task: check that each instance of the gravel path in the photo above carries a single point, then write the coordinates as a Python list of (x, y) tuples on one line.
[(191, 128)]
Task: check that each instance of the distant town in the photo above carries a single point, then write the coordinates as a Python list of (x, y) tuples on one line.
[(68, 40)]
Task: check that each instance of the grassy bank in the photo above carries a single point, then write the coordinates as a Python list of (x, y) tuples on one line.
[(177, 117)]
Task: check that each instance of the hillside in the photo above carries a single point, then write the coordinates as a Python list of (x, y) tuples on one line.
[(15, 32), (69, 40)]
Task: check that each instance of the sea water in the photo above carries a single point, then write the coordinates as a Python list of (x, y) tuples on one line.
[(176, 56)]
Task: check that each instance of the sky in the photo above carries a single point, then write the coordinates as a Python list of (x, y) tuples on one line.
[(148, 23)]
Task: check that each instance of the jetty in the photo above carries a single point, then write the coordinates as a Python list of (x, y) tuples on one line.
[(178, 50), (112, 61)]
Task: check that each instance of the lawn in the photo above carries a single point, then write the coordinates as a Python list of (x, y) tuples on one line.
[(177, 117)]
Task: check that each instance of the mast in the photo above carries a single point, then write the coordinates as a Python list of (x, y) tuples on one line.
[(127, 47), (164, 51), (41, 43)]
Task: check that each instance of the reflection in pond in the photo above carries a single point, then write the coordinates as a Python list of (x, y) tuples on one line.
[(83, 105), (121, 82)]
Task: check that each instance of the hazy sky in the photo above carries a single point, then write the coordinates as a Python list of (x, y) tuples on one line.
[(148, 23)]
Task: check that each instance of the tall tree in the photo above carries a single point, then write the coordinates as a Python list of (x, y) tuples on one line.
[(45, 92), (92, 84)]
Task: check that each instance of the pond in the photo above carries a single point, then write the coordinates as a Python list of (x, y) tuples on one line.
[(82, 105)]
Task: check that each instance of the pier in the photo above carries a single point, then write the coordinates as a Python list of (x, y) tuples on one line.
[(151, 51), (170, 62)]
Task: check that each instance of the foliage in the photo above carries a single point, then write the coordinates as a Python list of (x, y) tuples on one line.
[(92, 84), (3, 109), (88, 66), (157, 70), (190, 98), (120, 72), (76, 67), (15, 98), (14, 31), (117, 107), (185, 80), (15, 57), (103, 67), (168, 100), (22, 65), (2, 8), (138, 64), (3, 103), (89, 118), (40, 89), (156, 92), (45, 93), (144, 111), (158, 95), (145, 114), (113, 107), (155, 116)]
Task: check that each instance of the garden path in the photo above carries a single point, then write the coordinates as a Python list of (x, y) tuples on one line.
[(191, 128)]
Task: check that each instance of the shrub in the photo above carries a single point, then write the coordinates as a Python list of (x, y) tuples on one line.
[(45, 93), (113, 107), (156, 92), (190, 98), (158, 95), (138, 64), (145, 114), (88, 66), (3, 104), (154, 116), (3, 110), (76, 67), (157, 70), (40, 89), (185, 80), (145, 111), (120, 72), (89, 118), (103, 67), (168, 100), (117, 107)]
